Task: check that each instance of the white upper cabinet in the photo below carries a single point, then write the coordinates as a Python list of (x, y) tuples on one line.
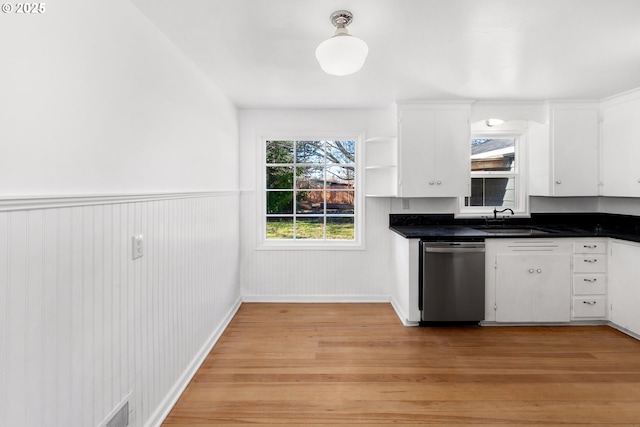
[(433, 149), (565, 151), (621, 146)]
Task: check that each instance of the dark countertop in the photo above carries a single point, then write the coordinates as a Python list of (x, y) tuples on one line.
[(445, 227)]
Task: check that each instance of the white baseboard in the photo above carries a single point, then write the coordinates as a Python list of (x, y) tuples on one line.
[(316, 298), (162, 411), (494, 323), (624, 330), (401, 314)]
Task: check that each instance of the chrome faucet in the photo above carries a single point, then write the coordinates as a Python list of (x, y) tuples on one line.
[(496, 212)]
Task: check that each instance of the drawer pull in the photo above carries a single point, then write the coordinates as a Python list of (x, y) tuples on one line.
[(589, 302), (590, 246), (590, 280), (591, 260)]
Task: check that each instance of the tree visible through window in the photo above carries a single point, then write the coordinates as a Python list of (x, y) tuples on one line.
[(310, 189)]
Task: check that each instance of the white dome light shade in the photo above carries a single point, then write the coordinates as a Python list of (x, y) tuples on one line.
[(494, 122), (342, 54)]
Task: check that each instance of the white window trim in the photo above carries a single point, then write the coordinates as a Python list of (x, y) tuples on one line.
[(309, 244), (522, 186)]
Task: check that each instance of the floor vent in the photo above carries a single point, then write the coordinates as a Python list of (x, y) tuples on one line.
[(120, 415), (121, 418)]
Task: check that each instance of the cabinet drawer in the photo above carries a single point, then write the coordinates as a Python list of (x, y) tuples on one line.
[(584, 307), (589, 284), (588, 263), (585, 247)]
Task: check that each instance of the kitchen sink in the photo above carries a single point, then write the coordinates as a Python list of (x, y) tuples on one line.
[(520, 231)]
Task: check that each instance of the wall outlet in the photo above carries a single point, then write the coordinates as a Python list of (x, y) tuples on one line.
[(405, 203), (138, 246)]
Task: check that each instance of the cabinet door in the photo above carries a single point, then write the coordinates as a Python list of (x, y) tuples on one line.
[(575, 152), (533, 287), (416, 135), (624, 285), (620, 149), (452, 154), (433, 152), (552, 288), (514, 289)]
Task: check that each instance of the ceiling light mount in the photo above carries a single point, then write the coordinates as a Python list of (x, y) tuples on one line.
[(341, 18), (342, 54)]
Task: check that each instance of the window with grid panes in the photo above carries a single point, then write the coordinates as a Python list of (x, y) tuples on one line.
[(496, 175), (310, 190)]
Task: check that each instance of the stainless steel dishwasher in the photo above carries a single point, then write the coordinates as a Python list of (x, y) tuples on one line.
[(452, 282)]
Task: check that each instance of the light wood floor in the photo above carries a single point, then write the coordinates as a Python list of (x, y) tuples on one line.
[(344, 364)]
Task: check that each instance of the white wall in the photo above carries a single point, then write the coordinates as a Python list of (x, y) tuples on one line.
[(312, 275), (563, 204), (537, 205), (619, 205), (94, 100)]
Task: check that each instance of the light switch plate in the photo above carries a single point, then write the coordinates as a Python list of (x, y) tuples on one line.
[(138, 246)]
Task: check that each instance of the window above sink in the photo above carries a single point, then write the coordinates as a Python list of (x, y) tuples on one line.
[(498, 171)]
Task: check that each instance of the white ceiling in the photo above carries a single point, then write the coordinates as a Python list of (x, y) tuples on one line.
[(261, 52)]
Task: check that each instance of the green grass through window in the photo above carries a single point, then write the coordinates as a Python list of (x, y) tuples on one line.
[(310, 230)]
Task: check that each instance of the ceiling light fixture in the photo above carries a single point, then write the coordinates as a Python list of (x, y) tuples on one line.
[(494, 122), (342, 54)]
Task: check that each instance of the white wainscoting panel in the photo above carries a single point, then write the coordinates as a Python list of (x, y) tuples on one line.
[(83, 324), (317, 275)]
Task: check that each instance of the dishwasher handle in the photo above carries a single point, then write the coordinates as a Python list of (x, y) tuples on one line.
[(454, 248)]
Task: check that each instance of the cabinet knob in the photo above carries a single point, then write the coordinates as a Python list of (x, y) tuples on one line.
[(531, 270), (538, 271), (591, 260), (558, 182), (439, 182), (589, 302), (431, 183)]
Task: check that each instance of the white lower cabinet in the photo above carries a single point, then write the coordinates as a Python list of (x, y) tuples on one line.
[(589, 307), (563, 280), (624, 285), (531, 280), (532, 288), (589, 288)]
